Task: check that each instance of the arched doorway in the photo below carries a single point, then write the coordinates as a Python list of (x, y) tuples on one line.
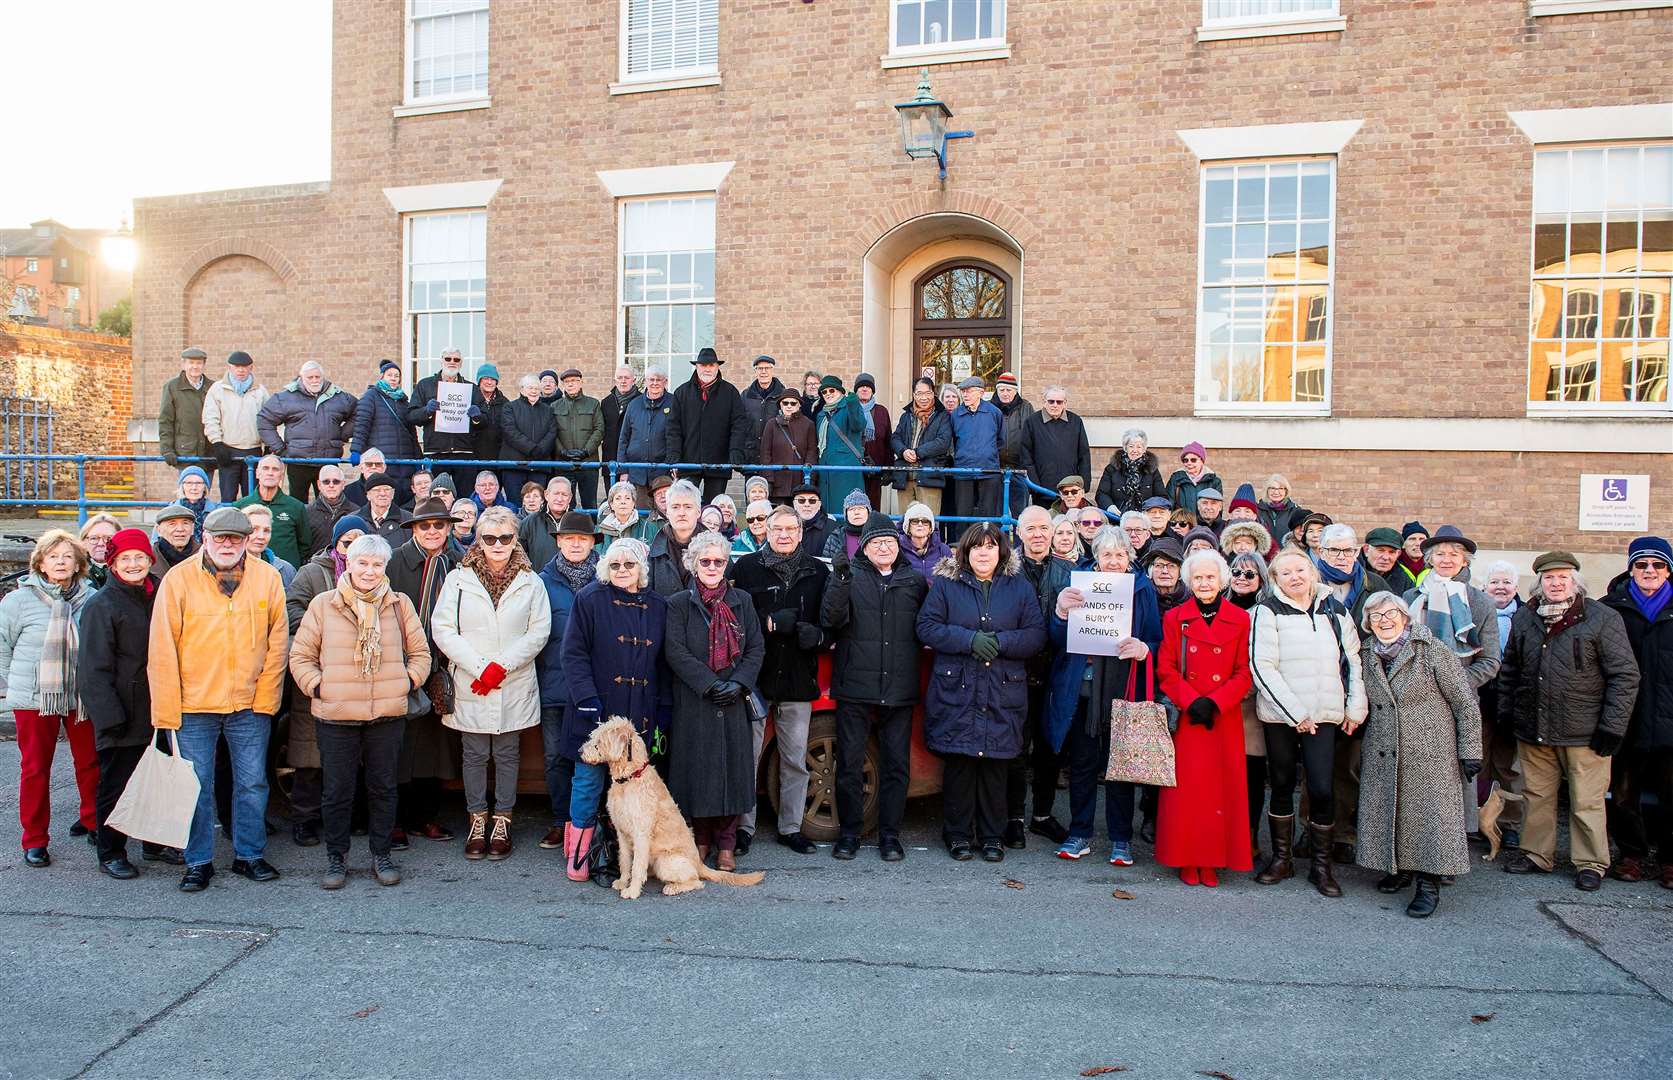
[(961, 322)]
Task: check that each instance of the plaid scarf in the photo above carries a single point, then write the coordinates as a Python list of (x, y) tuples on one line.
[(725, 641), (56, 677), (229, 579), (368, 632), (495, 584), (1444, 606)]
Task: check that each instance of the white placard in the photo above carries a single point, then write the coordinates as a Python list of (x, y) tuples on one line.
[(961, 367), (1097, 627), (1610, 502), (455, 401)]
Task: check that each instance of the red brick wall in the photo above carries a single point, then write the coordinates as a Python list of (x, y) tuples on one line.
[(88, 378)]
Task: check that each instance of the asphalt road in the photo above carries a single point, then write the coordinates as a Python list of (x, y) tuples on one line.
[(927, 968)]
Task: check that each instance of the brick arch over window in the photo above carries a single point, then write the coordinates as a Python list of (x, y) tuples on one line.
[(995, 211), (199, 260), (240, 301)]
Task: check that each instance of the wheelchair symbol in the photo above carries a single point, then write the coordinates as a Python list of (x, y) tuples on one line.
[(1614, 490)]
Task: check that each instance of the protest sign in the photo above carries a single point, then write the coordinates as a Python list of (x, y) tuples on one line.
[(454, 399), (1097, 627)]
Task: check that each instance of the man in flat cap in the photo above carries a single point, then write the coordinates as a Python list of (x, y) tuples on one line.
[(580, 434), (230, 408), (180, 413)]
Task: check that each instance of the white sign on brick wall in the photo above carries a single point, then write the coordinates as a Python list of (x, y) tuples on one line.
[(1614, 503)]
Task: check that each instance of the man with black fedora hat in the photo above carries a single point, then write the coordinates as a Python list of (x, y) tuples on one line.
[(380, 511), (571, 568), (708, 425)]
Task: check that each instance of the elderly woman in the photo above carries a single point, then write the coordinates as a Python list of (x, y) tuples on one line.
[(728, 515), (845, 540), (358, 653), (193, 494), (982, 618), (1239, 537), (714, 648), (464, 524), (1137, 528), (1181, 522), (1089, 522), (531, 500), (757, 488), (1275, 505), (1204, 669), (1337, 560), (1192, 477), (1077, 717), (39, 647), (709, 519), (923, 439), (922, 547), (753, 536), (620, 515), (1248, 579), (1201, 539), (787, 439), (528, 429), (1065, 540), (95, 536), (1132, 475), (490, 622), (1422, 739), (612, 660), (115, 692), (1305, 655)]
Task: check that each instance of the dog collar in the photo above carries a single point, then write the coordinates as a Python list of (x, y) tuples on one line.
[(634, 775)]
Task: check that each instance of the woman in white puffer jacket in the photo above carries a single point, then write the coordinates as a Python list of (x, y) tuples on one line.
[(1304, 652)]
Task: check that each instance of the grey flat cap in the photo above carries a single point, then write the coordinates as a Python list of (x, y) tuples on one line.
[(169, 513), (973, 381), (226, 520), (193, 353)]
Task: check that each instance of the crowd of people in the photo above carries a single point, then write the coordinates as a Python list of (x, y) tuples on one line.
[(409, 633)]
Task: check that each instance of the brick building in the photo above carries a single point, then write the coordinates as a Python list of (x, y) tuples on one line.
[(1414, 255), (55, 275)]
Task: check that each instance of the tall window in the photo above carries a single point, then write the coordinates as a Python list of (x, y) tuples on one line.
[(1223, 11), (667, 282), (1602, 267), (1264, 293), (447, 50), (934, 25), (447, 288), (962, 322), (667, 39)]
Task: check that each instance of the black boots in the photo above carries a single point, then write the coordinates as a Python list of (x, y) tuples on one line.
[(1395, 882), (1320, 875), (1426, 898), (1282, 865)]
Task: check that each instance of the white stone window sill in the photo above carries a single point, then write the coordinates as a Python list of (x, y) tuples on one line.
[(946, 56), (1263, 412), (1540, 8), (682, 82), (430, 107), (1271, 28), (1545, 410)]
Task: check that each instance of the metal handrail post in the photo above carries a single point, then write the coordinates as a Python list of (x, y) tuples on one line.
[(81, 489)]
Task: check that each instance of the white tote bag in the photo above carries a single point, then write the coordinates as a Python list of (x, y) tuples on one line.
[(161, 796)]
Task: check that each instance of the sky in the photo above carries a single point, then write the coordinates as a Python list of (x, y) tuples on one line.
[(128, 98)]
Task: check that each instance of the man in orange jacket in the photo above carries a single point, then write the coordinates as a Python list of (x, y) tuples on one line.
[(216, 667)]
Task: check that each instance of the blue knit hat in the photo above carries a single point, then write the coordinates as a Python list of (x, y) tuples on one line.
[(854, 498), (193, 470), (1413, 528), (1654, 546), (487, 371), (353, 521)]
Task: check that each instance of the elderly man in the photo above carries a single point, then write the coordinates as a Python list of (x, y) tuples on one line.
[(430, 750), (451, 450), (291, 537), (1014, 409), (1498, 742), (1210, 501), (327, 508), (817, 526), (1049, 577), (172, 538), (978, 436), (708, 425), (385, 518), (667, 552), (310, 418), (371, 464), (230, 408), (538, 533), (1643, 598), (180, 413), (1568, 688), (611, 409), (761, 400), (1053, 444), (216, 669), (486, 492), (786, 584), (1381, 553), (644, 432), (580, 425)]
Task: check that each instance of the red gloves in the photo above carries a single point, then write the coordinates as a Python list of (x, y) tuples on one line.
[(488, 681)]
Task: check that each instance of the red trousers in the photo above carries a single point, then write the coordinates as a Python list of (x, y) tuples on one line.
[(37, 741)]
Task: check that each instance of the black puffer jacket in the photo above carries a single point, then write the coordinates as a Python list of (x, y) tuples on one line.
[(110, 666), (1652, 645), (790, 672), (528, 432), (1112, 494), (875, 622), (712, 432), (422, 417), (1558, 689)]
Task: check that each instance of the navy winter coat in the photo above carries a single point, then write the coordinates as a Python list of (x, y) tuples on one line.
[(644, 435), (975, 707), (978, 437), (554, 688), (934, 447), (528, 432), (612, 650), (380, 422), (316, 425), (1069, 669)]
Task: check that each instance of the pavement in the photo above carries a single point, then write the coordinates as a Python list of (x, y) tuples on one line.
[(928, 968)]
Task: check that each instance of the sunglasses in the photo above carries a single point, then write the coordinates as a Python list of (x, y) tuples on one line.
[(757, 519), (328, 483), (1245, 575), (1649, 564), (492, 539), (1057, 401), (710, 564), (614, 566), (433, 526), (1068, 491), (1191, 459), (807, 500)]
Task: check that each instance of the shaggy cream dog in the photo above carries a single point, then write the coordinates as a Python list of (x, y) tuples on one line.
[(653, 835)]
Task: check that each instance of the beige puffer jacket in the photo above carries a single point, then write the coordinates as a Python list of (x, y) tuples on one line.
[(324, 665)]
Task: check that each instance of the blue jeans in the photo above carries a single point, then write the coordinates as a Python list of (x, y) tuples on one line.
[(559, 769), (246, 734), (586, 794)]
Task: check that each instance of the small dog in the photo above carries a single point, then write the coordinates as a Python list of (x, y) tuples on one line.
[(653, 835)]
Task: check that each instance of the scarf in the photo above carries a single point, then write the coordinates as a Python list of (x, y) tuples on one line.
[(1387, 650), (495, 584), (1354, 579), (1210, 609), (55, 678), (170, 554), (1651, 604), (241, 386), (1552, 613), (1131, 473), (1245, 600), (871, 424), (1413, 564), (198, 509), (390, 392), (575, 575), (824, 432), (1444, 606), (228, 579), (785, 566), (725, 643), (429, 583), (923, 416), (368, 631), (339, 563)]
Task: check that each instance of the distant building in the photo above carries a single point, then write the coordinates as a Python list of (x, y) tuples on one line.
[(56, 275)]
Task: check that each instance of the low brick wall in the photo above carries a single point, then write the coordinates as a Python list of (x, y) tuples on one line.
[(89, 380)]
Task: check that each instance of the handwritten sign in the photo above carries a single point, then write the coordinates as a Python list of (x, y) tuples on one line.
[(1097, 627), (454, 399)]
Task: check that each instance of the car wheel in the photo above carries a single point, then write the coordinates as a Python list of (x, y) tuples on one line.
[(819, 817)]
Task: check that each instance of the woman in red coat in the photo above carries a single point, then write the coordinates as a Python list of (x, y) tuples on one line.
[(1203, 821)]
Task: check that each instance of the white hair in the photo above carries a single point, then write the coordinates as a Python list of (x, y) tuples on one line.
[(1290, 553), (1212, 558), (1135, 433), (1503, 566), (564, 480), (759, 506), (1338, 532), (724, 500), (528, 380), (634, 550), (1429, 555), (1136, 519), (480, 474), (618, 488), (702, 542), (315, 364), (333, 469), (369, 544), (374, 454), (1377, 601), (685, 489), (1031, 511), (918, 510), (253, 510), (1108, 538), (1057, 388), (653, 371)]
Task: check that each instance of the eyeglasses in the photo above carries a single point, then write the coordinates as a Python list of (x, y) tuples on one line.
[(323, 482), (757, 519), (1069, 490), (807, 500), (1245, 575), (1057, 401), (432, 526), (225, 539), (502, 538), (1338, 551), (1191, 459), (1649, 564), (1384, 618), (710, 564), (615, 566)]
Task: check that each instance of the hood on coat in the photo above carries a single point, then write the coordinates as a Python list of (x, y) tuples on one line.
[(948, 567), (1252, 529)]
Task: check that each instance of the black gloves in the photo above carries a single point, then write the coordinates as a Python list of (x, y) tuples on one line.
[(172, 460), (1201, 712), (784, 621), (984, 646), (807, 635), (574, 455), (590, 706), (223, 455), (737, 458), (1605, 744), (725, 692), (840, 564), (1470, 767)]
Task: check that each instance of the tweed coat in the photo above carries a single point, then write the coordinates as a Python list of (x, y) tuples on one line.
[(1424, 719)]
